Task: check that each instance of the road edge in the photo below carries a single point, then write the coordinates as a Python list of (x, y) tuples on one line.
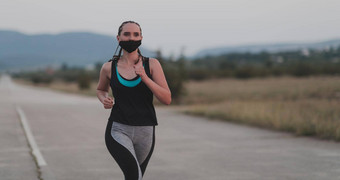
[(44, 173)]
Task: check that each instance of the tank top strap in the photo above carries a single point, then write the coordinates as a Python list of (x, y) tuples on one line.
[(113, 70), (147, 67)]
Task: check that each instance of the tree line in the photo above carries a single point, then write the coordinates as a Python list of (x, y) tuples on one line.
[(297, 63)]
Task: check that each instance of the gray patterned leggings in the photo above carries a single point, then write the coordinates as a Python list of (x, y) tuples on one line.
[(131, 147)]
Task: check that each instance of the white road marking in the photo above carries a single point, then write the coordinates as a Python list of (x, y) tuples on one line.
[(35, 149)]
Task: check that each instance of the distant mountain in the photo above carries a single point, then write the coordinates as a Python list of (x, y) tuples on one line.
[(21, 51), (256, 48)]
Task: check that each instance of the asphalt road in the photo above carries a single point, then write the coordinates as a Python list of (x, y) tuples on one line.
[(69, 131)]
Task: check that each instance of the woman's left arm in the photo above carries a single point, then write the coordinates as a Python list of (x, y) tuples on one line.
[(157, 84)]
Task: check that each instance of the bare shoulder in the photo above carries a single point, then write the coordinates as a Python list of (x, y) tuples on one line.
[(155, 66), (154, 62), (106, 69), (107, 65)]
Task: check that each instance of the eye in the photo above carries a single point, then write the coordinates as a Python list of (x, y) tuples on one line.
[(126, 34), (136, 34)]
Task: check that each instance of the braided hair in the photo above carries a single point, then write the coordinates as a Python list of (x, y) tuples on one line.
[(116, 57)]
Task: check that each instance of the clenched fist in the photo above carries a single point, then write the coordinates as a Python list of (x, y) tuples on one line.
[(108, 102)]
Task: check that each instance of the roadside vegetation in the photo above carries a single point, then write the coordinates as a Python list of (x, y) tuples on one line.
[(295, 91), (304, 106)]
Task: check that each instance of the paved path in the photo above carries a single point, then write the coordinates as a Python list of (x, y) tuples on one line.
[(69, 131)]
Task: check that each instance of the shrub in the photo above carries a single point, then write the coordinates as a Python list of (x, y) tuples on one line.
[(84, 80)]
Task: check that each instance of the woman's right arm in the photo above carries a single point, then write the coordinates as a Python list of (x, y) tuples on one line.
[(104, 85)]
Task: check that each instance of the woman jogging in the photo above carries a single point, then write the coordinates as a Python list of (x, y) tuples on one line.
[(134, 79)]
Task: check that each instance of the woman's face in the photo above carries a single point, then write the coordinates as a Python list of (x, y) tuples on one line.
[(130, 31)]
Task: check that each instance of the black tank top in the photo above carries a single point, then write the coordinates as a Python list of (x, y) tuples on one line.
[(133, 103)]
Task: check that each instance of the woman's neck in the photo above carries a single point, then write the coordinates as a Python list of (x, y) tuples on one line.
[(130, 58)]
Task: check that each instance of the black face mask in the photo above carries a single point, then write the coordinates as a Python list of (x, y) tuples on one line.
[(130, 46)]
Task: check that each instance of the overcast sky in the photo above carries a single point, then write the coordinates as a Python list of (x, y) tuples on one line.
[(171, 25)]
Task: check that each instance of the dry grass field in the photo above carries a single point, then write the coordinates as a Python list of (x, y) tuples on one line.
[(305, 106), (273, 88)]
